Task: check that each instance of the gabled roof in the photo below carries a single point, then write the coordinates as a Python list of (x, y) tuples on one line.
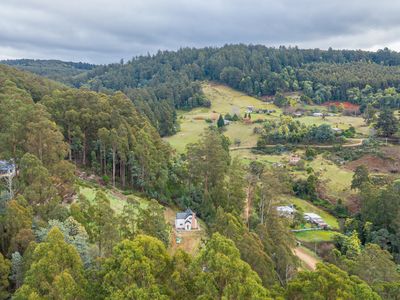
[(6, 166), (185, 214)]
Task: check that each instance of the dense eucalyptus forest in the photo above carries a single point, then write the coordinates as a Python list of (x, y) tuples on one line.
[(168, 80), (106, 122)]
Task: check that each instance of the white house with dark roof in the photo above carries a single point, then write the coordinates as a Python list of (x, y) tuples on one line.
[(186, 220)]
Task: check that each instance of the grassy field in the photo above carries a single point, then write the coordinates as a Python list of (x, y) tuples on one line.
[(247, 156), (223, 100), (315, 236), (342, 122), (335, 179), (117, 202), (227, 100)]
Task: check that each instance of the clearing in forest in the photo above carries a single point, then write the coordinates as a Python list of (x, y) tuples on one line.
[(224, 100)]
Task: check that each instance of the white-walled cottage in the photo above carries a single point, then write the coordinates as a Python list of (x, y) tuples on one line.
[(186, 220)]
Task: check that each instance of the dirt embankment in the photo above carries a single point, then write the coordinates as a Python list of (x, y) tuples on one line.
[(387, 162), (309, 261)]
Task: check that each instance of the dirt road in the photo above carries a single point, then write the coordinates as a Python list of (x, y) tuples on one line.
[(354, 143), (309, 261)]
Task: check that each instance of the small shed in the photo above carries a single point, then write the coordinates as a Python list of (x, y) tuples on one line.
[(337, 130), (250, 109), (294, 159)]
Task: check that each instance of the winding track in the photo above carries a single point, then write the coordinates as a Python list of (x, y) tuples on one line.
[(355, 143)]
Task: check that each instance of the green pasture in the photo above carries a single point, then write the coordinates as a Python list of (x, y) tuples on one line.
[(315, 236), (117, 202), (223, 100)]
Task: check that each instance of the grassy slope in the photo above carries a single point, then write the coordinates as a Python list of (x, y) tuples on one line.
[(335, 180), (342, 122), (226, 100), (315, 236), (223, 100), (117, 203)]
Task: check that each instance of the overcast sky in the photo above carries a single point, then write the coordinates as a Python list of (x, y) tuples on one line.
[(103, 31)]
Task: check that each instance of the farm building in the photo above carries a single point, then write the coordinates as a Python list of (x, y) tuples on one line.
[(315, 219), (318, 114), (250, 109), (337, 130), (186, 220), (286, 211), (294, 160)]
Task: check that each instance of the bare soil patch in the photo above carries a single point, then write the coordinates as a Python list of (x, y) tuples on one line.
[(389, 162)]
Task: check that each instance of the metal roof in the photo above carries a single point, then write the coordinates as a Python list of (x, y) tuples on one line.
[(6, 166), (185, 214)]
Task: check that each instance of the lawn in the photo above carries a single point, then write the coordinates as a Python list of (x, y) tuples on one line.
[(247, 156), (315, 236), (223, 100), (117, 202), (336, 180), (342, 122)]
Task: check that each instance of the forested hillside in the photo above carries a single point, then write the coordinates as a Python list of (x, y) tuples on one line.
[(158, 84), (53, 69), (86, 218)]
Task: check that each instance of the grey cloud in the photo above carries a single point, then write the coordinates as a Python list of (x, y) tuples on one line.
[(104, 31)]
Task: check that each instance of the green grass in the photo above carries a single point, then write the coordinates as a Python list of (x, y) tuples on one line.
[(247, 156), (336, 180), (117, 203), (315, 236), (227, 100), (223, 100), (342, 122)]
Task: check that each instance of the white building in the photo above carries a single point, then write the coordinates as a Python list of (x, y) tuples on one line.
[(315, 219), (318, 114), (186, 220), (294, 159), (337, 130), (286, 211), (250, 109)]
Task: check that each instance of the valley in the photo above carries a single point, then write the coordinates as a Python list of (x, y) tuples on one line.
[(235, 172)]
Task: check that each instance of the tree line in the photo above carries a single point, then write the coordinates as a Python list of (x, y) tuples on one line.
[(168, 80)]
